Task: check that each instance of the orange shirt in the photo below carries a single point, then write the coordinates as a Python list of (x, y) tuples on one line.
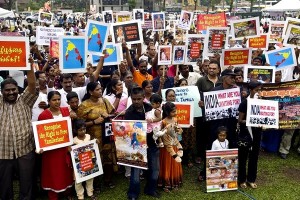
[(138, 78)]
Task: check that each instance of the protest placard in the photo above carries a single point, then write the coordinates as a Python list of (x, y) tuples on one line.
[(276, 31), (108, 16), (261, 42), (292, 36), (164, 55), (158, 21), (45, 17), (185, 114), (138, 15), (73, 54), (178, 54), (186, 94), (195, 46), (262, 113), (54, 49), (221, 170), (52, 133), (245, 28), (289, 21), (236, 57), (113, 55), (217, 40), (263, 74), (14, 53), (123, 16), (44, 34), (221, 104), (97, 33), (147, 21), (287, 94), (185, 20), (205, 21), (282, 58), (86, 161), (131, 144), (129, 32)]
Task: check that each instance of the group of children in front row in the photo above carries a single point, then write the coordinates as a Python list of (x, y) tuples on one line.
[(163, 122)]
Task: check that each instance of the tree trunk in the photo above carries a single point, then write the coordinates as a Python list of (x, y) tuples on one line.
[(251, 5), (231, 6)]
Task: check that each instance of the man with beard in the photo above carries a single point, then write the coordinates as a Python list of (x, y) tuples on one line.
[(16, 137), (141, 74)]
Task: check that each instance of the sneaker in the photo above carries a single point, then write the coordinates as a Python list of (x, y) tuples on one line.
[(282, 155)]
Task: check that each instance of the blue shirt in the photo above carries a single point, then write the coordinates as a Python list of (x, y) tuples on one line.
[(169, 83)]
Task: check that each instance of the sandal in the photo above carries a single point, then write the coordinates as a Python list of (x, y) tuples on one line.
[(243, 185), (92, 197), (252, 185), (166, 190)]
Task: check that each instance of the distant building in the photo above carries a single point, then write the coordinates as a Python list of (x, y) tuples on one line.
[(121, 5)]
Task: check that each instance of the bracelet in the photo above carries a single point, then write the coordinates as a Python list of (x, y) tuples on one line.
[(174, 156)]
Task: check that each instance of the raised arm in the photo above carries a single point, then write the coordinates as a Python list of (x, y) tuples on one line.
[(96, 73), (31, 77)]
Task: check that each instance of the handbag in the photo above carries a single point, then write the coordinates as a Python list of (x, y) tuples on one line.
[(244, 137)]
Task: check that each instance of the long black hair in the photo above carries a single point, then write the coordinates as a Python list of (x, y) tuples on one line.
[(167, 108), (110, 87), (91, 86), (51, 94)]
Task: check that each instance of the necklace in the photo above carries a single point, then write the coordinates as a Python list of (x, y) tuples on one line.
[(221, 144)]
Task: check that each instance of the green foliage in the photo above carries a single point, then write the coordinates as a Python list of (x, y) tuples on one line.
[(131, 4)]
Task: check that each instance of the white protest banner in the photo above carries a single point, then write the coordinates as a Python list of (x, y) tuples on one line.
[(262, 113), (186, 94), (44, 34), (222, 104), (221, 170), (86, 161)]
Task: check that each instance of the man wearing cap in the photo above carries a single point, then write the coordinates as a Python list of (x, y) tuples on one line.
[(228, 82)]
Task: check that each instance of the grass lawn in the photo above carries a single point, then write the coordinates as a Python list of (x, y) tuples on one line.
[(277, 179)]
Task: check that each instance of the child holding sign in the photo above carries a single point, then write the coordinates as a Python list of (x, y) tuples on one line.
[(221, 142), (79, 129)]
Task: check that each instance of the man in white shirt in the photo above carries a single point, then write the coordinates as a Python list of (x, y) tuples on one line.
[(191, 77)]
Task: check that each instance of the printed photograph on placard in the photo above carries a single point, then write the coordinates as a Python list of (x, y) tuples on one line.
[(195, 47), (290, 21), (123, 16), (185, 20), (217, 40), (263, 74), (292, 37), (276, 31), (245, 28), (108, 16), (281, 58), (178, 54), (164, 55), (108, 129), (138, 14), (131, 144), (158, 21), (45, 17), (147, 21), (129, 32)]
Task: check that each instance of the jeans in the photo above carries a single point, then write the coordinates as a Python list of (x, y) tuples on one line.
[(151, 175), (24, 166)]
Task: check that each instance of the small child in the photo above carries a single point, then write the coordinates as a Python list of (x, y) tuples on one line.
[(154, 118), (221, 143), (80, 129)]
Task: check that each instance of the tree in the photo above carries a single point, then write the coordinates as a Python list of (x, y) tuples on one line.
[(9, 4), (251, 4), (131, 4), (230, 5)]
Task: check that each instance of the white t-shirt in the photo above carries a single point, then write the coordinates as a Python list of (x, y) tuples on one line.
[(36, 111), (217, 145), (78, 141)]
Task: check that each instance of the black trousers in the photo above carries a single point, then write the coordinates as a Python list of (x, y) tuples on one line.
[(24, 167), (250, 154), (202, 137)]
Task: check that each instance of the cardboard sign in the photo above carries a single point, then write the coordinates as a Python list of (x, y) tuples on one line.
[(129, 32), (158, 21), (147, 21), (52, 133), (123, 16), (45, 34), (45, 17), (245, 28), (261, 42), (108, 16), (236, 57), (185, 114), (205, 21), (97, 34), (263, 74), (282, 58), (178, 54), (276, 31), (113, 55), (292, 36), (185, 20), (73, 54), (131, 144), (221, 170), (290, 21), (186, 94), (14, 53), (164, 55), (86, 161), (221, 104), (195, 47), (262, 113), (217, 40), (287, 95), (138, 14)]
